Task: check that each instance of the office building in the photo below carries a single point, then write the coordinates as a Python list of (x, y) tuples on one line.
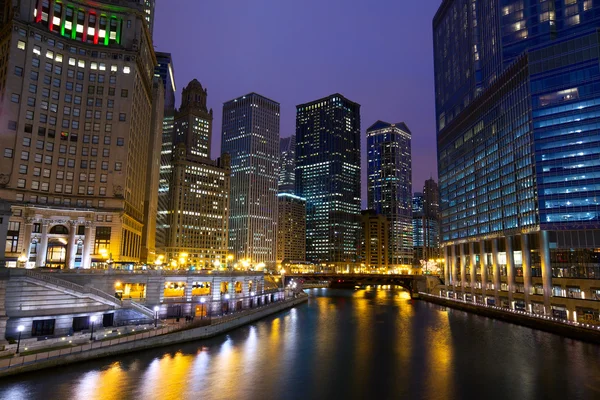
[(251, 137), (287, 165), (426, 224), (76, 118), (291, 228), (375, 253), (328, 177), (389, 174), (517, 94), (198, 213), (165, 70)]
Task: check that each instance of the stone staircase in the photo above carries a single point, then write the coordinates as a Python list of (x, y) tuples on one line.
[(142, 309), (73, 288)]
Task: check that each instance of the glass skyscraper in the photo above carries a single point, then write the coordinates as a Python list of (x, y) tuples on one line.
[(517, 103), (389, 172), (251, 137), (328, 177), (287, 165)]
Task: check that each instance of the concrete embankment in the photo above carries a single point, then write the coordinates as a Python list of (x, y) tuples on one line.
[(559, 328), (178, 336)]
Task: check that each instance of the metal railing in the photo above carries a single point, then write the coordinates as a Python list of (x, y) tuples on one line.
[(141, 308)]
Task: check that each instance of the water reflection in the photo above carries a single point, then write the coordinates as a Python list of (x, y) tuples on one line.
[(342, 344)]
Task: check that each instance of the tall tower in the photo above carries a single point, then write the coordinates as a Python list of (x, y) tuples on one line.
[(287, 165), (76, 107), (328, 177), (251, 137), (165, 70), (389, 172), (199, 189), (517, 96)]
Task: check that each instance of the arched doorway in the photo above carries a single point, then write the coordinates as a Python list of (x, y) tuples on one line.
[(56, 254)]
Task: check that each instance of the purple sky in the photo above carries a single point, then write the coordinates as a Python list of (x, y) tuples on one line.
[(377, 53)]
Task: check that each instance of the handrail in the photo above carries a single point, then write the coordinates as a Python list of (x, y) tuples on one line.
[(142, 308), (73, 286)]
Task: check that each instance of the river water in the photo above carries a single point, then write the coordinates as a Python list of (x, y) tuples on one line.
[(342, 344)]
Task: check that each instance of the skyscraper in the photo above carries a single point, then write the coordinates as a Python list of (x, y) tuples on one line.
[(198, 211), (375, 241), (251, 137), (76, 113), (389, 172), (287, 165), (328, 177), (426, 223), (291, 228), (165, 71), (515, 105)]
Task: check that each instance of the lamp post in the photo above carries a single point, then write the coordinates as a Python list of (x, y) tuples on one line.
[(202, 300), (22, 260), (227, 300), (156, 308), (20, 328), (92, 320)]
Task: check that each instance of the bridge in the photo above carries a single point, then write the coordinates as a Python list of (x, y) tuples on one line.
[(412, 283)]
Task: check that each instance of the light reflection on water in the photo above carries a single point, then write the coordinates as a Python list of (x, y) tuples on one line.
[(342, 344)]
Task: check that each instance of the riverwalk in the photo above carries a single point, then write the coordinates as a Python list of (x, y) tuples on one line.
[(148, 338)]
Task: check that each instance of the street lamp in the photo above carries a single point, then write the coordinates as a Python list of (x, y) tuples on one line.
[(92, 320), (23, 259), (20, 328), (202, 300), (156, 308)]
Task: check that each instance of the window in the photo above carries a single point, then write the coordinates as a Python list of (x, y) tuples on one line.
[(33, 75), (12, 237), (37, 171), (8, 153), (110, 103), (35, 62), (42, 328), (44, 186), (23, 169), (109, 115), (25, 155), (31, 101), (21, 45), (35, 185), (29, 115), (102, 191), (15, 98), (120, 141), (12, 125), (102, 240), (32, 88), (106, 139), (112, 80), (124, 93), (106, 153), (103, 178), (21, 183), (18, 71), (118, 166)]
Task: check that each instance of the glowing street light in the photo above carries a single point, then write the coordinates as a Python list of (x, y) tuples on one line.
[(92, 320), (156, 308), (202, 301), (20, 328), (22, 259)]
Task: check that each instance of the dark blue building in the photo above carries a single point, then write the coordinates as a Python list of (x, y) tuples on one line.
[(328, 177), (517, 105)]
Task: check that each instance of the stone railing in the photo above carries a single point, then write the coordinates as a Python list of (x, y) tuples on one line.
[(72, 286)]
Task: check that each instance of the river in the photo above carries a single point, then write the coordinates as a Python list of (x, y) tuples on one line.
[(342, 344)]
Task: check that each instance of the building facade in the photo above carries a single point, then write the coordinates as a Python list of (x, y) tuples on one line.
[(375, 242), (76, 113), (389, 172), (251, 137), (165, 71), (426, 224), (517, 106), (328, 177), (198, 213), (291, 228), (287, 165)]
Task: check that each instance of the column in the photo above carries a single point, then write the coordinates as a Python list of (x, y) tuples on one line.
[(26, 251), (473, 269), (446, 267), (86, 258), (546, 270), (496, 269), (484, 271), (526, 257), (510, 268), (453, 265), (43, 246), (188, 290), (463, 268), (72, 245)]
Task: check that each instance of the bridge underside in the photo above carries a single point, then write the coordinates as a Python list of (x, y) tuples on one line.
[(408, 282)]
